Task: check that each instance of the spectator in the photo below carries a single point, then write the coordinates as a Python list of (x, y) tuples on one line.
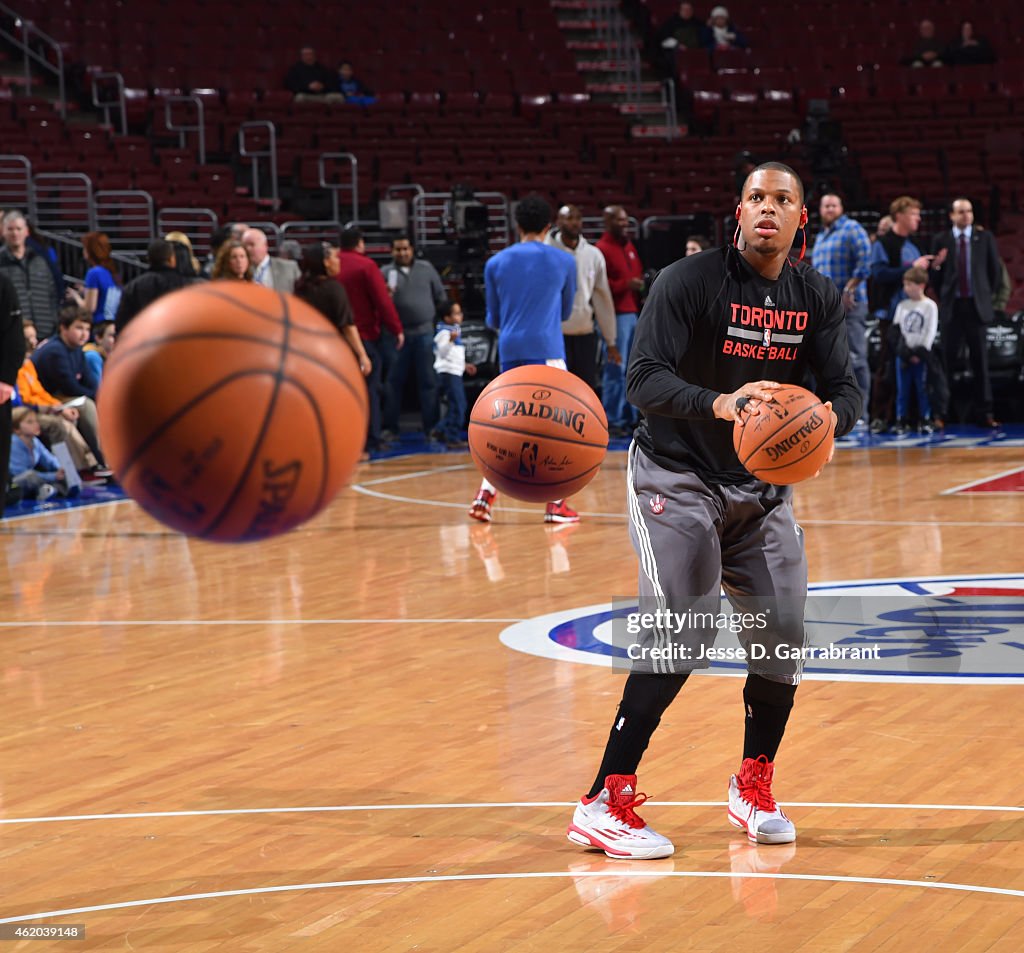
[(63, 372), (450, 365), (721, 32), (237, 230), (102, 283), (185, 261), (968, 49), (32, 467), (968, 271), (417, 292), (220, 235), (267, 270), (916, 321), (48, 253), (233, 263), (290, 250), (12, 353), (842, 253), (593, 299), (883, 228), (309, 79), (373, 309), (30, 275), (927, 50), (320, 265), (58, 423), (104, 334), (891, 256), (1001, 295), (695, 244), (682, 29), (352, 90), (162, 278), (625, 277)]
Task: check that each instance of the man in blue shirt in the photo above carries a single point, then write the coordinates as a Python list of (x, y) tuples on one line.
[(530, 291), (842, 252)]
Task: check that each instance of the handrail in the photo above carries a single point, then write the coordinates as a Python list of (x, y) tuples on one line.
[(255, 154), (20, 194), (29, 31), (336, 187), (182, 130), (107, 104), (668, 101)]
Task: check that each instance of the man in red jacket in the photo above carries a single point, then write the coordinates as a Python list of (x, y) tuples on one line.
[(625, 276), (372, 307)]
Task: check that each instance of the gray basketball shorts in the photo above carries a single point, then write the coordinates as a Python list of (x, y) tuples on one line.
[(693, 540)]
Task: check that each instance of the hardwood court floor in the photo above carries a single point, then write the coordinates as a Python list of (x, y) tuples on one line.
[(315, 738)]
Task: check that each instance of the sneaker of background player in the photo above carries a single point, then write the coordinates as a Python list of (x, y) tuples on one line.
[(609, 822), (926, 427), (481, 508), (45, 492), (560, 512), (93, 478), (752, 806), (901, 429)]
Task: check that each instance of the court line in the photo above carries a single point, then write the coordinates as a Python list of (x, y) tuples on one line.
[(415, 473), (987, 479), (344, 808), (118, 622), (64, 509), (530, 875)]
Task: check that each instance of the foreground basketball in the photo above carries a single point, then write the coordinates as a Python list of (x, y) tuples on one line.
[(787, 442), (232, 412), (538, 433)]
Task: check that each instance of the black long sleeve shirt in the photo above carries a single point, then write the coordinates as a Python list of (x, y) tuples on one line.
[(712, 324)]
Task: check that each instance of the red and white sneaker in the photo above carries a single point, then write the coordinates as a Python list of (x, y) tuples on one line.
[(559, 512), (609, 822), (752, 806), (481, 508)]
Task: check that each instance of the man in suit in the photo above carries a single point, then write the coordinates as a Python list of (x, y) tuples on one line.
[(968, 272), (276, 273)]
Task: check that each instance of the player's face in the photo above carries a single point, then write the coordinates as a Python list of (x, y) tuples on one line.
[(401, 252), (962, 214), (831, 208), (238, 262), (770, 211), (572, 223)]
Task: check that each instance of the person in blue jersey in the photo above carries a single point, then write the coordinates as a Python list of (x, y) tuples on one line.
[(530, 290)]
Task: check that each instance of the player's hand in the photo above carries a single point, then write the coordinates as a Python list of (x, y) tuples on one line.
[(746, 400), (471, 370), (832, 452), (614, 355)]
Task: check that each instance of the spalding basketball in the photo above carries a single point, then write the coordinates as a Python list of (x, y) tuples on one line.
[(538, 433), (232, 412), (789, 440)]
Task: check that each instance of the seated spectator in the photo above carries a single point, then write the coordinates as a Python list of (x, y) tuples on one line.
[(309, 79), (162, 278), (61, 360), (102, 283), (232, 264), (695, 244), (968, 49), (58, 423), (98, 350), (721, 32), (32, 467), (927, 50), (316, 286), (30, 275), (351, 88), (185, 261)]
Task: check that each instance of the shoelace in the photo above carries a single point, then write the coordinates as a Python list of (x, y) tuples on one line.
[(625, 810), (757, 787)]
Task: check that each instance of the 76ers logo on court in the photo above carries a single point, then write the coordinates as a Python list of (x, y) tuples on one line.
[(657, 504), (947, 629)]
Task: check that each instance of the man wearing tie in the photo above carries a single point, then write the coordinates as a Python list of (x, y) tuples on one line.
[(968, 272)]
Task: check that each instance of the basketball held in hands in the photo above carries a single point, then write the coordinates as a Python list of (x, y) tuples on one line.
[(232, 412)]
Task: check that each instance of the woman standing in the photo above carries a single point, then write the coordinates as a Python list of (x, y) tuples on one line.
[(232, 263), (102, 282)]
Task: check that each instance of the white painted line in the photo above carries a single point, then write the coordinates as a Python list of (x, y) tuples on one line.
[(987, 479), (79, 623), (538, 875), (494, 805), (65, 509), (415, 473)]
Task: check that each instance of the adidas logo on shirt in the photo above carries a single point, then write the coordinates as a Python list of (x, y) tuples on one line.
[(768, 303)]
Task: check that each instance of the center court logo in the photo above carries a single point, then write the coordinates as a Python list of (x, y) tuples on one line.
[(928, 629)]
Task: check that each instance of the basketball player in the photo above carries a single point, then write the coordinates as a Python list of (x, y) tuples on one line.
[(720, 331), (530, 291)]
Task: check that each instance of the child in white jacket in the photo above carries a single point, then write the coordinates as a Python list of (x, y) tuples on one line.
[(450, 365)]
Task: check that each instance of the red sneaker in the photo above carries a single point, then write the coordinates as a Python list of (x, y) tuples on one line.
[(560, 512), (752, 806), (481, 508), (609, 822)]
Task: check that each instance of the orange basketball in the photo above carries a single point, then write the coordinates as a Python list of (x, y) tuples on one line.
[(787, 442), (538, 433), (232, 412)]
